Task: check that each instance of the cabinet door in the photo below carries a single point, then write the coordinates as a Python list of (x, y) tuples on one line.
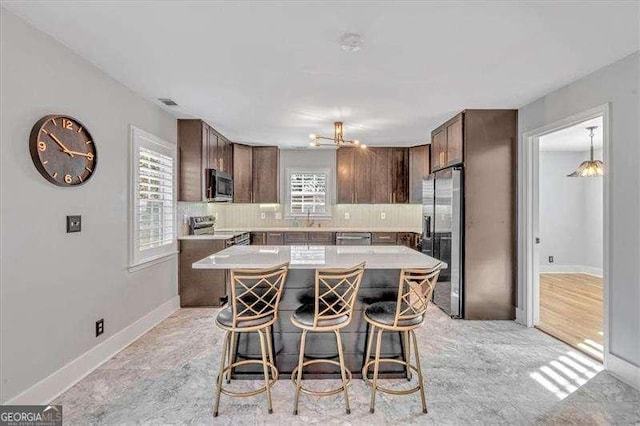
[(275, 238), (200, 287), (383, 238), (295, 238), (407, 239), (418, 170), (242, 173), (400, 175), (381, 176), (212, 149), (265, 174), (345, 175), (258, 238), (453, 130), (438, 149), (224, 155), (321, 238), (362, 176)]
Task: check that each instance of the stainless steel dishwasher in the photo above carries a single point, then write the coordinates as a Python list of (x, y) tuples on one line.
[(353, 238)]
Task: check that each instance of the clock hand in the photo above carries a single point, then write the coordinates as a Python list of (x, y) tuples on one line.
[(89, 155), (64, 148)]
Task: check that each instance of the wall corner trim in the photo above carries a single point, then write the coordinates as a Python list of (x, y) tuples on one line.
[(49, 388), (521, 317), (623, 370)]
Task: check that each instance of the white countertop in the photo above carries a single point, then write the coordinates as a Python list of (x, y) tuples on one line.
[(219, 235), (320, 229), (312, 257)]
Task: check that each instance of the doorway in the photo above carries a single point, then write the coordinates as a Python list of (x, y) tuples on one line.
[(566, 232)]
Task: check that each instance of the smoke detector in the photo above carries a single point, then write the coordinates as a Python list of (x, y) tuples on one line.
[(351, 42)]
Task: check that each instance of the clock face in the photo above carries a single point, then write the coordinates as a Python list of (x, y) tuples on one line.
[(63, 150)]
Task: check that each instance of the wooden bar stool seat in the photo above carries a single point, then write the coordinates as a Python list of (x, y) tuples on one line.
[(255, 297), (403, 315), (332, 310)]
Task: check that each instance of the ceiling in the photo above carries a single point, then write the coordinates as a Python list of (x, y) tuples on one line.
[(574, 138), (273, 73)]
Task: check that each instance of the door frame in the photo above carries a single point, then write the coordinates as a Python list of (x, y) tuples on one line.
[(528, 214)]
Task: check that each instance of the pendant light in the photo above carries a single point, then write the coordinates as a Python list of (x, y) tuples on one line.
[(591, 168)]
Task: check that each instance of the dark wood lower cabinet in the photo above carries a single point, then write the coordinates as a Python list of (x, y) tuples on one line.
[(384, 238), (275, 238), (200, 287)]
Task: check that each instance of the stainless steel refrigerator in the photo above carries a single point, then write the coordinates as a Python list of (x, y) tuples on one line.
[(442, 235)]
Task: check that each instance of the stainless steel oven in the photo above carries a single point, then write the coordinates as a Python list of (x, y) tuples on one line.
[(219, 186)]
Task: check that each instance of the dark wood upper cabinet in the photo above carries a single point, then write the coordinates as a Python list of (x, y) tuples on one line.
[(345, 163), (193, 146), (242, 173), (400, 175), (418, 170), (453, 129), (447, 144), (381, 176), (266, 172), (362, 176), (212, 147), (438, 149)]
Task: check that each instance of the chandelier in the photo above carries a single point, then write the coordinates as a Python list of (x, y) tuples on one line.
[(337, 139), (591, 168)]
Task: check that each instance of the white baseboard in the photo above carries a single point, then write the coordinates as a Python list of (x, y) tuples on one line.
[(521, 317), (623, 370), (52, 386), (571, 269)]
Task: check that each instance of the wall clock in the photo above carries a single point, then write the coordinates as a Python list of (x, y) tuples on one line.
[(63, 150)]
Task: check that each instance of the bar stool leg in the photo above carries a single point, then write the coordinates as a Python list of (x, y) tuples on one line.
[(420, 380), (265, 368), (233, 350), (376, 365), (269, 346), (407, 353), (342, 370), (299, 372), (367, 356), (225, 348)]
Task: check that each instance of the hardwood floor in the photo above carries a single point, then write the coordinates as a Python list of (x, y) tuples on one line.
[(571, 309)]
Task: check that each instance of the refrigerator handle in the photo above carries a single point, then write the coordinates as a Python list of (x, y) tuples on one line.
[(428, 225)]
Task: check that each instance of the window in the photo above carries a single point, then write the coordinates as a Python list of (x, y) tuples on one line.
[(153, 197), (308, 193)]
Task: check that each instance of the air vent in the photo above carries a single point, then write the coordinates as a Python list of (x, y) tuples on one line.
[(168, 102)]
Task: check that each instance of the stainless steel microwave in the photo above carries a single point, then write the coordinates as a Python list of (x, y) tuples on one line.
[(219, 186)]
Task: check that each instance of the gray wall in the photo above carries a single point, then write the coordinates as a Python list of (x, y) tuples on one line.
[(571, 214), (618, 84), (54, 286)]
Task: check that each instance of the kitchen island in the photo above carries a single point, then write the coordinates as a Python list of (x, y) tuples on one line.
[(380, 282)]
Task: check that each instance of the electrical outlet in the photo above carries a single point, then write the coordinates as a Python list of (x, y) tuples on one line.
[(347, 216), (99, 327), (263, 215), (383, 216), (278, 216), (550, 259), (74, 223)]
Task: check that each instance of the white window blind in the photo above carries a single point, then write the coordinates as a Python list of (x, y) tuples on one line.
[(153, 197), (308, 193)]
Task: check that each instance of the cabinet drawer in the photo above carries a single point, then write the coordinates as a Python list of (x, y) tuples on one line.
[(384, 238), (291, 238), (275, 238), (326, 238)]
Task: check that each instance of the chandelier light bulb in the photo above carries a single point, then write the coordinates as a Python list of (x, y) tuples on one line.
[(313, 136), (363, 146), (356, 142)]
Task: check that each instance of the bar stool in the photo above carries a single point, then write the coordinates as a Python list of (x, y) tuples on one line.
[(255, 296), (332, 310), (403, 315)]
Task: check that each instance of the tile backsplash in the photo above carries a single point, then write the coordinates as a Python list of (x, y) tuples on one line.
[(369, 216)]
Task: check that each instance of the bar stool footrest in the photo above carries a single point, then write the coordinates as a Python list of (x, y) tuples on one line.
[(272, 381), (294, 375), (387, 390)]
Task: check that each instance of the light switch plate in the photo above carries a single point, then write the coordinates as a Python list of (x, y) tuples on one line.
[(263, 215), (347, 216), (278, 216), (383, 215)]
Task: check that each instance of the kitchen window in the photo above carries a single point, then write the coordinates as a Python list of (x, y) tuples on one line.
[(153, 197), (308, 193)]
